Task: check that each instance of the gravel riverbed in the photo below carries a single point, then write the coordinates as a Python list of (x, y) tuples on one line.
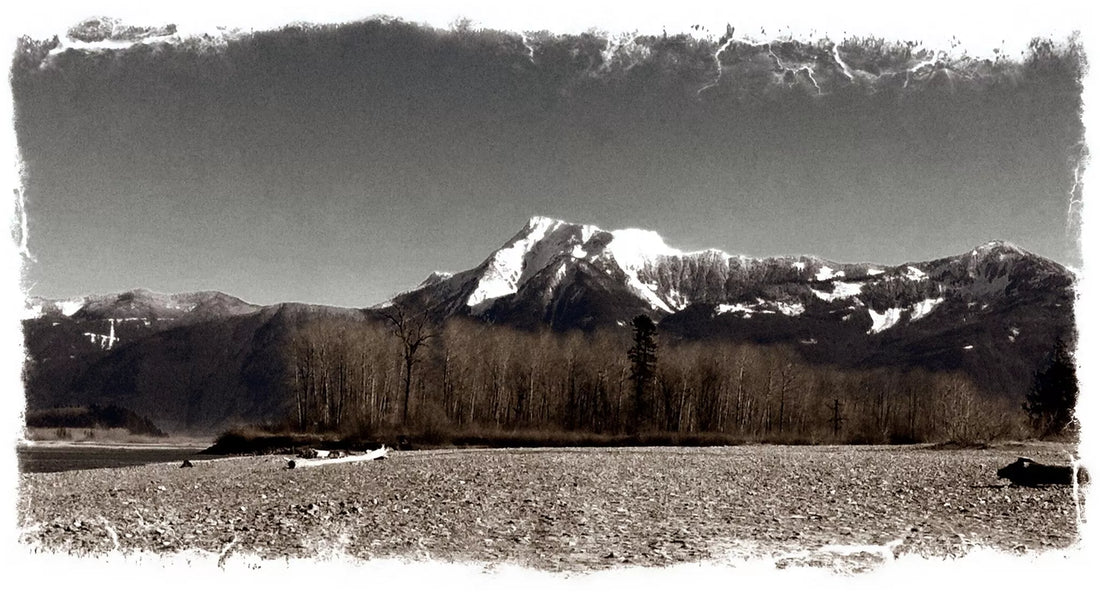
[(844, 507)]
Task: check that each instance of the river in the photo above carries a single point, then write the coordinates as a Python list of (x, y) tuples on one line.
[(61, 457)]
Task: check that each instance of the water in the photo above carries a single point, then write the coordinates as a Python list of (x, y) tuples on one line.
[(59, 458)]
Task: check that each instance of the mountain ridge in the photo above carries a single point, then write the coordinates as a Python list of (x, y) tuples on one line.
[(633, 247), (667, 279)]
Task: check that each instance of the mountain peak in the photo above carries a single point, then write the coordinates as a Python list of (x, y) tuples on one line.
[(437, 276), (627, 245), (544, 221), (540, 241), (541, 226), (998, 246), (631, 248), (998, 250), (556, 246)]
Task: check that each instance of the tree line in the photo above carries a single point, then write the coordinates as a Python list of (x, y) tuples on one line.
[(404, 373)]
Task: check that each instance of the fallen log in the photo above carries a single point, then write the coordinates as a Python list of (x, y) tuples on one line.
[(382, 452)]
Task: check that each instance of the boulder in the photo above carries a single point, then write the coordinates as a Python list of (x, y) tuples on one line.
[(1029, 473)]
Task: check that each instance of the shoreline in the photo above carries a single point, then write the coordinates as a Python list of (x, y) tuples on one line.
[(202, 446), (92, 444)]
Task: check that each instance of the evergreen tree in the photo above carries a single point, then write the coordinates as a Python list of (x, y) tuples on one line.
[(643, 366), (1053, 393)]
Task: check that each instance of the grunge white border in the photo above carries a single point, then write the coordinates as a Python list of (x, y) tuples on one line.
[(977, 27)]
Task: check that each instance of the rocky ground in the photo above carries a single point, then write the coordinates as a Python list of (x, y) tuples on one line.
[(844, 507)]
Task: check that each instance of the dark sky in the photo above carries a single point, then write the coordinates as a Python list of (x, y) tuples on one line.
[(342, 164)]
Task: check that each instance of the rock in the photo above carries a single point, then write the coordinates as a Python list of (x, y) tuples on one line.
[(1029, 473), (186, 464), (307, 453)]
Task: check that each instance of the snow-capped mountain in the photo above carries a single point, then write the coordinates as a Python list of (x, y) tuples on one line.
[(141, 305), (569, 275), (992, 312), (105, 321)]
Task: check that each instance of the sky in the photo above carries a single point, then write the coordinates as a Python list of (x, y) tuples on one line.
[(343, 161)]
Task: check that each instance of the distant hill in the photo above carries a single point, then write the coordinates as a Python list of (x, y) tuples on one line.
[(204, 369), (94, 416)]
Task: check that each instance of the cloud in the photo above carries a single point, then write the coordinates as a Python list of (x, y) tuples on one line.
[(726, 67)]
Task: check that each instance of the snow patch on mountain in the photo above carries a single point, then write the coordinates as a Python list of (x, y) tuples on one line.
[(826, 273), (923, 308), (884, 320), (913, 273), (726, 308), (891, 317), (646, 292), (874, 271), (841, 290), (677, 300), (70, 307), (792, 309), (787, 309), (634, 248), (558, 276)]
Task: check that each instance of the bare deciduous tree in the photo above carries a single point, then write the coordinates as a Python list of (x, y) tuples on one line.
[(413, 326), (368, 374)]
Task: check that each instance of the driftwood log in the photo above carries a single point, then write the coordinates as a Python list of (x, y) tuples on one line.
[(382, 452)]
